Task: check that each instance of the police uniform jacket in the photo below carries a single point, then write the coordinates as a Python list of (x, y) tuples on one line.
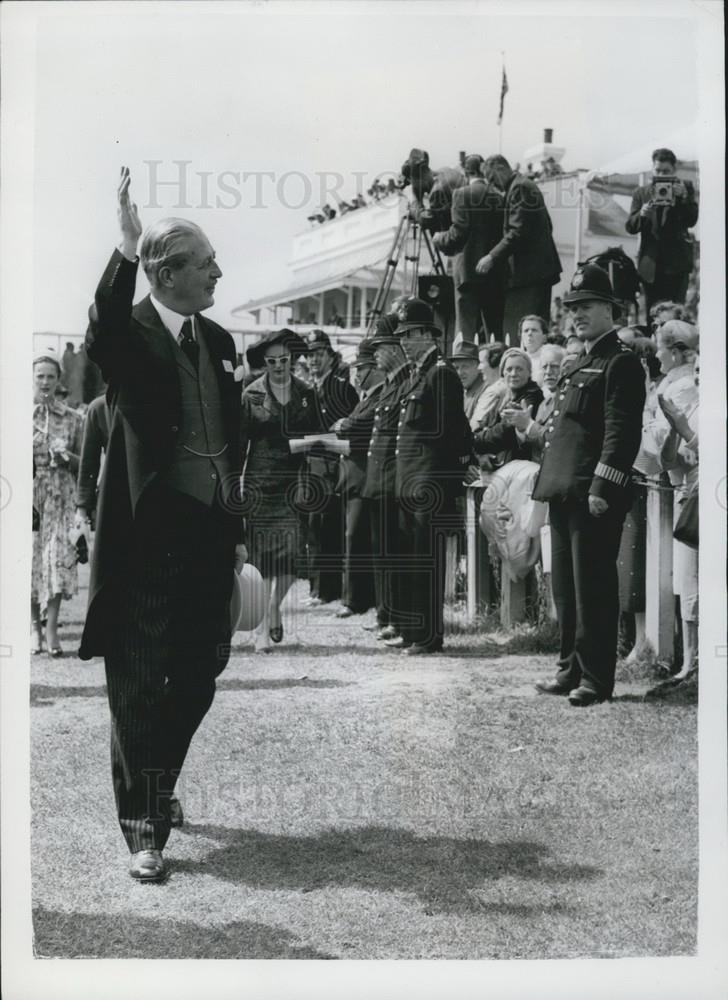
[(433, 443), (380, 470), (357, 429), (334, 397), (593, 434)]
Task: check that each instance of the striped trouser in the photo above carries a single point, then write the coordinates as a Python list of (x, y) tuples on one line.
[(172, 642)]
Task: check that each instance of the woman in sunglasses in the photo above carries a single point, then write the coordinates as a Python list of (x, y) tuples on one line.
[(277, 407)]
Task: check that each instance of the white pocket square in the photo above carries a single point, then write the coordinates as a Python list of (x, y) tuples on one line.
[(227, 365)]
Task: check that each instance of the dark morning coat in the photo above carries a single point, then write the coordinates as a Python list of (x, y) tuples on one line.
[(135, 353), (665, 244), (594, 431), (527, 242)]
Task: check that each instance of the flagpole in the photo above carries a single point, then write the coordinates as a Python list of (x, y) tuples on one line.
[(500, 117)]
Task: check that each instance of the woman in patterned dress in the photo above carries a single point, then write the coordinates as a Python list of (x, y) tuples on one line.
[(56, 447), (276, 408)]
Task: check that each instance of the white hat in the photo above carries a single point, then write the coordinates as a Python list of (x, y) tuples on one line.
[(247, 604)]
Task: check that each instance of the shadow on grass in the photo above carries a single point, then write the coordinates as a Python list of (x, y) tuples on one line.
[(86, 935), (45, 694), (444, 873), (273, 683)]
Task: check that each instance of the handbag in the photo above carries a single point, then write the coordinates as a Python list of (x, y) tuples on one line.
[(686, 526)]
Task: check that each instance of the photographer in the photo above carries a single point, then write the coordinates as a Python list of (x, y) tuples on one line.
[(432, 190), (662, 212)]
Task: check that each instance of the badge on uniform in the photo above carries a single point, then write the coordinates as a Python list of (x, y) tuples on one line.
[(227, 365)]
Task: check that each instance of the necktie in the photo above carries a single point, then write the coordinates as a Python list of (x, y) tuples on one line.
[(188, 343)]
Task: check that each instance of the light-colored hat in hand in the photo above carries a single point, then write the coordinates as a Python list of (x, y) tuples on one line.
[(247, 604)]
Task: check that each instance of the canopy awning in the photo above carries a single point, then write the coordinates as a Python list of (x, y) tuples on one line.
[(361, 266)]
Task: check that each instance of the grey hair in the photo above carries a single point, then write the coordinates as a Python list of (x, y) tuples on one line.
[(555, 349), (163, 246)]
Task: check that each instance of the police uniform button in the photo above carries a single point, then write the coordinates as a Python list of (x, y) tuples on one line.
[(547, 444), (556, 413), (581, 385), (396, 451), (369, 454), (561, 395), (213, 475), (323, 409), (175, 428)]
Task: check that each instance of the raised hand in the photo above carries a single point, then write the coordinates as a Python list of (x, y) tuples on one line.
[(129, 224)]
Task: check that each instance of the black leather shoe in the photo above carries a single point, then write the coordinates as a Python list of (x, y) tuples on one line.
[(551, 687), (582, 697), (423, 648), (386, 632), (345, 613), (177, 817), (148, 866), (276, 633)]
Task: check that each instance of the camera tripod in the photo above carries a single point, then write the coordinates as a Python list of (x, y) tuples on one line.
[(411, 233)]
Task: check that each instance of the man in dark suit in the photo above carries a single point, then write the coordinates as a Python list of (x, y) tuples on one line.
[(527, 244), (169, 530), (432, 453), (665, 257), (335, 397), (477, 226), (591, 440)]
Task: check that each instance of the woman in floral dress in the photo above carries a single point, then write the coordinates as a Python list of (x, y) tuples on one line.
[(57, 433)]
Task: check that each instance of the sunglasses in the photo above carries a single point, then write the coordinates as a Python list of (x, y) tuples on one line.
[(278, 359)]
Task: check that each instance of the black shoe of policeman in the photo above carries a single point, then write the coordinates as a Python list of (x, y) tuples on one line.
[(552, 687)]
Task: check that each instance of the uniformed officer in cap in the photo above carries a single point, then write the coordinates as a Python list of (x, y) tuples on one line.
[(591, 441), (432, 454), (335, 398), (378, 489), (358, 584)]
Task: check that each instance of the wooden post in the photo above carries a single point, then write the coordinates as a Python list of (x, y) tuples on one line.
[(451, 566), (321, 309), (476, 559), (660, 605), (513, 600)]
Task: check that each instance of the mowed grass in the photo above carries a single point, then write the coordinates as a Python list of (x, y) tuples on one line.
[(347, 802)]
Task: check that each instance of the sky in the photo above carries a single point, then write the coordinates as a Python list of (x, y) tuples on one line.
[(300, 92)]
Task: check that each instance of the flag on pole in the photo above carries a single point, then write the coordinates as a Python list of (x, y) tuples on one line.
[(504, 91)]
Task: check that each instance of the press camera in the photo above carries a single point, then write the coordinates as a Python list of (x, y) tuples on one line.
[(663, 190)]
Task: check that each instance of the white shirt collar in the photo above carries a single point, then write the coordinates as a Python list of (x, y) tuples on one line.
[(172, 320)]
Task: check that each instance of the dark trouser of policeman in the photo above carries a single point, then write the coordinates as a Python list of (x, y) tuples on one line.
[(665, 288), (326, 549), (584, 553), (385, 548), (423, 538), (358, 584)]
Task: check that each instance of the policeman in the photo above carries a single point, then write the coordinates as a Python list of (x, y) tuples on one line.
[(432, 454), (356, 429), (378, 486), (591, 441), (335, 398)]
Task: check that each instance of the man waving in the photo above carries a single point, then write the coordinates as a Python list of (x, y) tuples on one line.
[(169, 531)]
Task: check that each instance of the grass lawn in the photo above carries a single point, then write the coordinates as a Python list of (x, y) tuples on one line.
[(346, 802)]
